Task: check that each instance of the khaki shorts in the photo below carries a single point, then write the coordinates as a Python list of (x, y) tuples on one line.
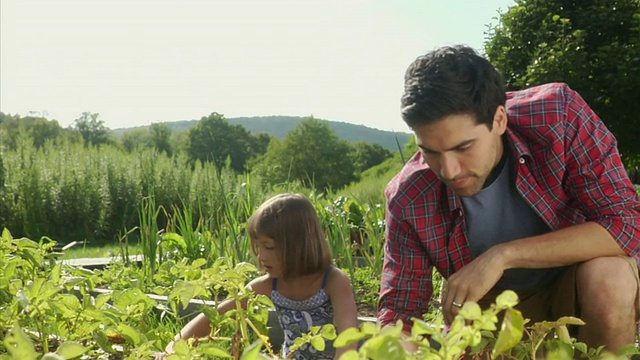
[(556, 299)]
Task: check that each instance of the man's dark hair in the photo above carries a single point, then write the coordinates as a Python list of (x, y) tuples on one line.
[(452, 80)]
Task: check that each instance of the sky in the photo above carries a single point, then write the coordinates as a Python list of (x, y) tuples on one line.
[(137, 62)]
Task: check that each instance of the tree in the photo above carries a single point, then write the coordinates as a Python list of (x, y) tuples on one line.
[(160, 138), (364, 155), (43, 130), (135, 139), (313, 154), (214, 139), (92, 129), (39, 129), (260, 143), (594, 46)]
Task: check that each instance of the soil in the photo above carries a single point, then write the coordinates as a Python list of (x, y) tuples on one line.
[(366, 310)]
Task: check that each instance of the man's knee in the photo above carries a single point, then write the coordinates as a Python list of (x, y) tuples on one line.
[(606, 281)]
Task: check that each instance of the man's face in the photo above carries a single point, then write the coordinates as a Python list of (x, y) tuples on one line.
[(460, 152)]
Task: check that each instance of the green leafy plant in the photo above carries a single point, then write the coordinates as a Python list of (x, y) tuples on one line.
[(46, 308), (473, 333)]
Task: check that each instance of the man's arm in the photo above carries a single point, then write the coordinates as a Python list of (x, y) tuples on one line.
[(406, 286), (557, 248)]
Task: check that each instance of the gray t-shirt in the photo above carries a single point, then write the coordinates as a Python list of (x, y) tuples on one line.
[(499, 214)]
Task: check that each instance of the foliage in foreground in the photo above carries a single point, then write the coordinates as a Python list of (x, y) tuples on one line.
[(52, 311)]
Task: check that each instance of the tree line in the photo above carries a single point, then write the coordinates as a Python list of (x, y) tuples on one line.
[(80, 183), (308, 154)]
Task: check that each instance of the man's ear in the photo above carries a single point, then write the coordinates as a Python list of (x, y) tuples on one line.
[(500, 120)]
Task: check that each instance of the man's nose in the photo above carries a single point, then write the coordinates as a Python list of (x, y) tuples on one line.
[(449, 167)]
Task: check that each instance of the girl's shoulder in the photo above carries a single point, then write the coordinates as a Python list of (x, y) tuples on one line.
[(262, 285), (338, 281)]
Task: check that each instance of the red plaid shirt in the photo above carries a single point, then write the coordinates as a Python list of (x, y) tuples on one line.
[(568, 170)]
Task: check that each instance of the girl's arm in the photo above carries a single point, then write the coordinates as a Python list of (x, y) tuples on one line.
[(200, 326), (344, 306)]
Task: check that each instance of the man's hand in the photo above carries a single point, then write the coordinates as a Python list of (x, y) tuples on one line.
[(472, 282)]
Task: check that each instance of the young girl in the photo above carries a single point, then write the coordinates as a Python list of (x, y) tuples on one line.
[(306, 289)]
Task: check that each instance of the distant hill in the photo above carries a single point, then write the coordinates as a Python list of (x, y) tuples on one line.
[(279, 126)]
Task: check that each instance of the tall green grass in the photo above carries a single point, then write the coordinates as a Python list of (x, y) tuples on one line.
[(73, 193), (170, 206)]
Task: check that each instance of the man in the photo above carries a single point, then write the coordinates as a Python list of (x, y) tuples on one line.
[(523, 191)]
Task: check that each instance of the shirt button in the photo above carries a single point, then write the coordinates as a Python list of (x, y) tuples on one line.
[(521, 160)]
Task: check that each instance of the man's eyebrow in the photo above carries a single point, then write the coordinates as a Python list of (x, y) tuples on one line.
[(462, 144)]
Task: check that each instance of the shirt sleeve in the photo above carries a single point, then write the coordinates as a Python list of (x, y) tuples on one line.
[(596, 177), (406, 287)]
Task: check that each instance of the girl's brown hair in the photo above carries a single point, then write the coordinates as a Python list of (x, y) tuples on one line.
[(293, 224)]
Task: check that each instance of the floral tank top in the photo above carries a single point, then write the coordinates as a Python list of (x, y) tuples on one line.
[(298, 316)]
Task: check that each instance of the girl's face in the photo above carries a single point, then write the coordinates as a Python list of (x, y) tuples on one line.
[(267, 255)]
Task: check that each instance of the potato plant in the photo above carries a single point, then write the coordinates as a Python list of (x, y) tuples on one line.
[(49, 310)]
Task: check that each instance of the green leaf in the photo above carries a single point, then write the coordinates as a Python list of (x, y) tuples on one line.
[(212, 350), (329, 332), (368, 328), (19, 345), (101, 339), (253, 351), (510, 333), (629, 350), (130, 334), (563, 334), (393, 330), (558, 350), (507, 299), (56, 273), (569, 320), (185, 291), (471, 311), (181, 347), (348, 337), (200, 262), (71, 350), (582, 347), (102, 299), (422, 328), (245, 267), (487, 321), (70, 301), (71, 281), (555, 17), (52, 356), (350, 355), (174, 239), (384, 347), (318, 343)]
